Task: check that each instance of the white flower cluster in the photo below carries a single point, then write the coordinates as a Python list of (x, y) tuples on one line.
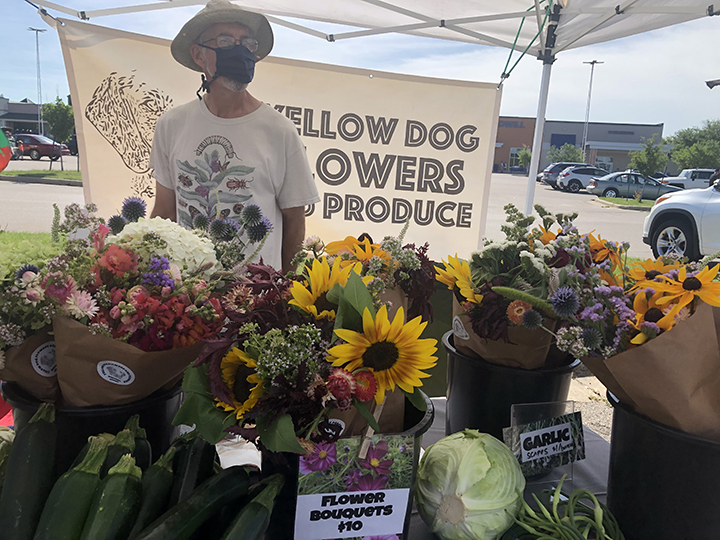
[(570, 340), (184, 248), (532, 259), (545, 251)]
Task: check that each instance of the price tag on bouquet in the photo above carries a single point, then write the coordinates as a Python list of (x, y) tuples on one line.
[(341, 495)]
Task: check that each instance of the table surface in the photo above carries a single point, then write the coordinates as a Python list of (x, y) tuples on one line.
[(590, 473)]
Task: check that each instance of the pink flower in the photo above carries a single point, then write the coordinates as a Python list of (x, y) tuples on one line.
[(115, 312), (27, 277), (33, 295), (81, 304), (341, 384), (368, 483), (321, 459), (59, 286), (374, 461), (99, 237)]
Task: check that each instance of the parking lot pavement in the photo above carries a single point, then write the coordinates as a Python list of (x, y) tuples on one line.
[(69, 163), (28, 207)]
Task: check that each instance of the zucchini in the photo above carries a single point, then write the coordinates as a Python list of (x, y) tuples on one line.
[(116, 503), (109, 437), (123, 443), (184, 518), (143, 451), (69, 502), (253, 520), (195, 465), (29, 476), (157, 483)]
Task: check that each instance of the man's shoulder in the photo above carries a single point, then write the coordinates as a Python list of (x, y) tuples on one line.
[(179, 112), (276, 119)]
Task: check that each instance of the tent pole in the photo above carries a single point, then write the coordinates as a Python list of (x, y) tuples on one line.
[(538, 137)]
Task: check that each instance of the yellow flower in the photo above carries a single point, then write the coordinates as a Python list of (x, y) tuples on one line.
[(310, 297), (648, 310), (547, 236), (342, 246), (393, 352), (457, 274), (601, 250), (645, 272), (238, 372), (516, 310), (686, 289)]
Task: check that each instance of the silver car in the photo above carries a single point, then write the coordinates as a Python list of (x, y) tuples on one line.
[(575, 178), (626, 184)]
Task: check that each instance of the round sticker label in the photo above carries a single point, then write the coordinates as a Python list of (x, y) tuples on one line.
[(115, 373), (459, 329), (43, 360)]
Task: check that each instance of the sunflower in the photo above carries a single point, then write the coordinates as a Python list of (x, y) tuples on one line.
[(238, 372), (602, 250), (311, 298), (342, 246), (547, 236), (648, 310), (393, 352), (363, 251), (645, 272), (686, 289), (457, 274)]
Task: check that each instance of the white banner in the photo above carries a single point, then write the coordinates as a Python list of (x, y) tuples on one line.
[(384, 147)]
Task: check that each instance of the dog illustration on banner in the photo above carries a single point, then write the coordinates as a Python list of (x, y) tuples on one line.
[(125, 112)]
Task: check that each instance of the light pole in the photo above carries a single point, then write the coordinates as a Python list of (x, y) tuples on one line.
[(39, 85), (587, 110)]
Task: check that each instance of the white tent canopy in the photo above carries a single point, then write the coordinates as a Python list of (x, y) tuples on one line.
[(543, 28)]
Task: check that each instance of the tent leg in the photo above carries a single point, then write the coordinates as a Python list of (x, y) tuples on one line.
[(538, 137)]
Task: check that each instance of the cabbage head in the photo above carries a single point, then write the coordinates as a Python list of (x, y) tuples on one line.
[(469, 487)]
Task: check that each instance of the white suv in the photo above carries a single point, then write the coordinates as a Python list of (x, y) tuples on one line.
[(686, 223), (574, 179), (690, 178)]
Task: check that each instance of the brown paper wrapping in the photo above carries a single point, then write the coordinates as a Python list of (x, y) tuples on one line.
[(397, 298), (98, 370), (391, 419), (528, 349), (673, 379), (31, 365)]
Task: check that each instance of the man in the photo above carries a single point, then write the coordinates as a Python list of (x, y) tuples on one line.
[(715, 176), (214, 156)]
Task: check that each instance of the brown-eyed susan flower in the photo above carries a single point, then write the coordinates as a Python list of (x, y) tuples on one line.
[(686, 288), (392, 351), (516, 310), (311, 296), (239, 373), (648, 311), (645, 272), (547, 236), (342, 246), (457, 274)]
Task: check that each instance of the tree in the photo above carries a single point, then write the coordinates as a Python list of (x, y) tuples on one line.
[(650, 159), (566, 153), (524, 157), (697, 146), (60, 118)]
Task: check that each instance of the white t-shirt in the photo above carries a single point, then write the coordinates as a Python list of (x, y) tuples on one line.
[(216, 166)]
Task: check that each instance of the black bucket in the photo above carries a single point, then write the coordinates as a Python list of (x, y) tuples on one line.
[(480, 394), (282, 521), (663, 484), (75, 425)]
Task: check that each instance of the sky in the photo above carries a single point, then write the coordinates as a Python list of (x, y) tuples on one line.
[(656, 77)]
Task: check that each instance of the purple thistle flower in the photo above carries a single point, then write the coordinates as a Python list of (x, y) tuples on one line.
[(565, 302), (591, 338), (258, 231), (133, 208), (531, 319)]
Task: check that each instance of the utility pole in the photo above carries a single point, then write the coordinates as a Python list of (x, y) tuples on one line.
[(39, 84), (587, 110)]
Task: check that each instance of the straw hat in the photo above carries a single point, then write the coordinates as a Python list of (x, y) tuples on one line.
[(220, 11)]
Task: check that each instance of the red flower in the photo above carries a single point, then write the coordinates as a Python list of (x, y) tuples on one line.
[(341, 384), (119, 261), (365, 385), (99, 237), (58, 286)]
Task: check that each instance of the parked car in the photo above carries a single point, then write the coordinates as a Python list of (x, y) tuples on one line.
[(574, 179), (626, 184), (550, 173), (690, 178), (37, 146), (685, 223), (73, 145)]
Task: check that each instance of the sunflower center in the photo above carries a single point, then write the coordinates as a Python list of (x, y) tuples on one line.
[(323, 304), (381, 355), (653, 315), (692, 284), (652, 274), (241, 387)]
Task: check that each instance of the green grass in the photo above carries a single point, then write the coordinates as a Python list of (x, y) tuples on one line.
[(7, 237), (63, 175), (627, 202)]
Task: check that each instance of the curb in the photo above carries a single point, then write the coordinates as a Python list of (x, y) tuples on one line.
[(621, 206), (36, 180)]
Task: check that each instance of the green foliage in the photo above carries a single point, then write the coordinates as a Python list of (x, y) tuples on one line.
[(60, 118), (18, 249), (567, 152), (697, 146), (524, 157), (650, 159)]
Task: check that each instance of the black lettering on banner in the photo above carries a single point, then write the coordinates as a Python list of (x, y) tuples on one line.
[(565, 434), (379, 497), (373, 215), (309, 210), (380, 129), (404, 172), (293, 113), (315, 515), (440, 214), (332, 204), (328, 500), (441, 136), (353, 208), (345, 133), (344, 499), (333, 155), (325, 131), (308, 130), (472, 143), (453, 172), (415, 133), (430, 172), (371, 171), (464, 215), (279, 108), (388, 510), (401, 210), (427, 219), (357, 499), (347, 513), (326, 514)]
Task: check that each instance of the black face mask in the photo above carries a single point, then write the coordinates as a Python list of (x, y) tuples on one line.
[(237, 63)]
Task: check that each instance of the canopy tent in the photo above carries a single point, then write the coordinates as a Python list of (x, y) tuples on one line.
[(542, 28)]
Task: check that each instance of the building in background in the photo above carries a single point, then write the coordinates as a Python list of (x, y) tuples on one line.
[(19, 116), (608, 144)]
